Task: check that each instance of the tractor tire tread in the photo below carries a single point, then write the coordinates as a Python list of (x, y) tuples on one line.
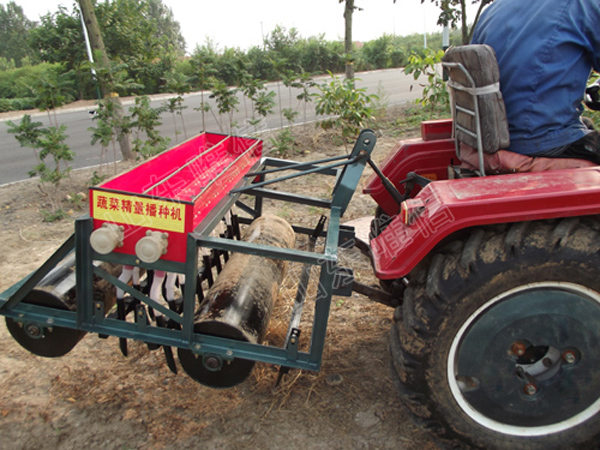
[(430, 300)]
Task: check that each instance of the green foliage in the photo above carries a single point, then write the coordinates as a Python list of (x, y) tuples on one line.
[(27, 133), (226, 101), (102, 133), (316, 55), (145, 119), (115, 78), (106, 130), (51, 92), (48, 144), (52, 144), (17, 83), (593, 115), (348, 108), (283, 144), (434, 92), (412, 117), (58, 38), (264, 102), (145, 41), (54, 215), (179, 84), (142, 34), (282, 45), (203, 78), (14, 30), (96, 178), (376, 53), (290, 115), (454, 13), (76, 200)]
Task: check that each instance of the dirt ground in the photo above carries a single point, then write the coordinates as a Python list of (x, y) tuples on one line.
[(96, 398)]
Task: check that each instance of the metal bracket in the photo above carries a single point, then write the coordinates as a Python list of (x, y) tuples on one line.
[(98, 311), (141, 317), (292, 346), (343, 281)]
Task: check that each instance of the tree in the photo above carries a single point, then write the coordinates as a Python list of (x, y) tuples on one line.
[(168, 30), (146, 119), (91, 23), (454, 11), (345, 107), (51, 92), (59, 38), (202, 63), (226, 101), (46, 143), (348, 11), (435, 93), (180, 84), (14, 29), (305, 83), (140, 33)]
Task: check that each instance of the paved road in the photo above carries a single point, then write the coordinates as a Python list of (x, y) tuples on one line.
[(17, 161)]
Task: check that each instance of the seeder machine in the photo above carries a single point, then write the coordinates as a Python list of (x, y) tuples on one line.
[(160, 221)]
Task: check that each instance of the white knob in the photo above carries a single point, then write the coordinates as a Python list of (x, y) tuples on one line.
[(152, 246), (105, 239)]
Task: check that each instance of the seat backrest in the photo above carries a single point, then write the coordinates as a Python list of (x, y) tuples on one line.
[(478, 108)]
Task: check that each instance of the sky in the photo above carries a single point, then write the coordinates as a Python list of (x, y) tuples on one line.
[(243, 23)]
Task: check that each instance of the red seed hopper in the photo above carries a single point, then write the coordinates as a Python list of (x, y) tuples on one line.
[(152, 207)]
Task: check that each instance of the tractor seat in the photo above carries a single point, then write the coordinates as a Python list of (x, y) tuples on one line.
[(504, 161), (480, 126)]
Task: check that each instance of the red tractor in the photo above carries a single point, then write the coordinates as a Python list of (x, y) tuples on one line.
[(495, 255)]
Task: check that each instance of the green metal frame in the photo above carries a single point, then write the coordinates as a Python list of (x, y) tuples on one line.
[(90, 316)]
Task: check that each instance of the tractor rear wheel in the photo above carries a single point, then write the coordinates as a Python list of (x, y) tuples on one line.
[(496, 344)]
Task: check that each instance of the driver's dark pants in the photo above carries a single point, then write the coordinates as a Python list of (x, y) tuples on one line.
[(588, 147)]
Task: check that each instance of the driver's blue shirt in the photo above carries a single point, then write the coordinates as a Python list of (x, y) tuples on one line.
[(545, 51)]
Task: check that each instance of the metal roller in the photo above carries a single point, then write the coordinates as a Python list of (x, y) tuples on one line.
[(239, 305), (56, 290)]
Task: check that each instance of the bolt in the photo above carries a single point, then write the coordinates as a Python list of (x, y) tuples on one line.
[(518, 348), (229, 352), (197, 346), (33, 330), (569, 357), (530, 389), (212, 362)]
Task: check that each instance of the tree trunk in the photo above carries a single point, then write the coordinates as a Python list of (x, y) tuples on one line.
[(91, 23), (348, 11), (465, 27)]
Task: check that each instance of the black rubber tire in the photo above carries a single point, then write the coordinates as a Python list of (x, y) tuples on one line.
[(450, 287), (379, 223)]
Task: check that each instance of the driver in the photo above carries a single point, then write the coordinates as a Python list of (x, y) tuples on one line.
[(546, 50)]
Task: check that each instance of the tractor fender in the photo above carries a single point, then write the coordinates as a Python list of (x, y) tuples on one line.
[(445, 207)]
